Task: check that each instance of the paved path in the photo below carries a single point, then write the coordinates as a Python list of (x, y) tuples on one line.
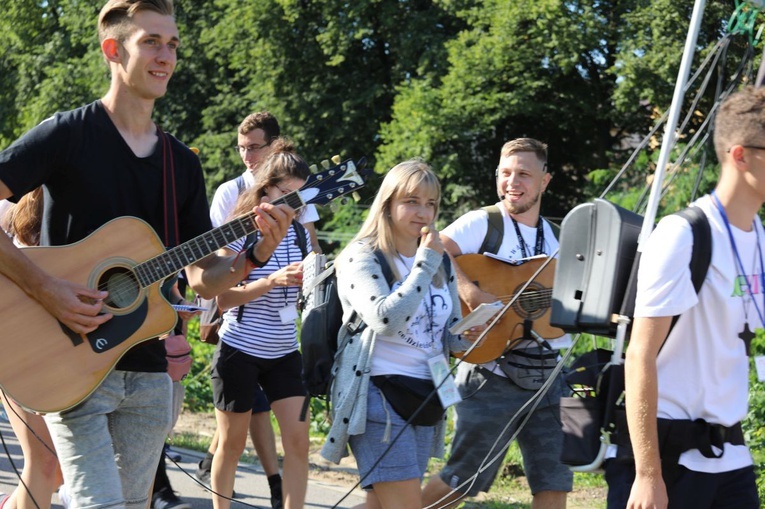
[(251, 484)]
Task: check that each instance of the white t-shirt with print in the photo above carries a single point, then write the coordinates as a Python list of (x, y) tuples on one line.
[(409, 351), (702, 367)]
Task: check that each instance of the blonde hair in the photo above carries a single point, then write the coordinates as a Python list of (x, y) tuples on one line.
[(404, 179)]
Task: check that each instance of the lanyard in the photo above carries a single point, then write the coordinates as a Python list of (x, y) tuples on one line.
[(738, 257), (540, 242)]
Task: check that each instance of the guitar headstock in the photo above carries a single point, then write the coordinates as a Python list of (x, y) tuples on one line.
[(342, 179)]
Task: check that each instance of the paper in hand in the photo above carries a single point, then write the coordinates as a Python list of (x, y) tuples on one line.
[(478, 316)]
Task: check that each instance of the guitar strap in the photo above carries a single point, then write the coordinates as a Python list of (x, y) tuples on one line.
[(172, 233)]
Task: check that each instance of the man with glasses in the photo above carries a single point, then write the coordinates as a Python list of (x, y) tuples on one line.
[(687, 386), (255, 134)]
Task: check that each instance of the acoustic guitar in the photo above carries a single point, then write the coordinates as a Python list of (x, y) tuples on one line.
[(46, 367), (504, 281)]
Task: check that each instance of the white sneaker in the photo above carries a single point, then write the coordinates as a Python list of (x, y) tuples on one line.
[(63, 496)]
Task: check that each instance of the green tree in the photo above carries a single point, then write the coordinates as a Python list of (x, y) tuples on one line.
[(560, 71)]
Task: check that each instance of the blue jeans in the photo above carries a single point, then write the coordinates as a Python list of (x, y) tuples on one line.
[(109, 445)]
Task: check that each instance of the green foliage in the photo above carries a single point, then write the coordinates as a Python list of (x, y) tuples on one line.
[(753, 430), (199, 397)]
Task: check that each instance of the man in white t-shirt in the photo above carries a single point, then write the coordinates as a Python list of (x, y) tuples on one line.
[(490, 398), (698, 369)]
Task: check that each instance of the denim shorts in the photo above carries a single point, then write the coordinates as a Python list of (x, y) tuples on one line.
[(489, 402), (406, 459), (109, 445)]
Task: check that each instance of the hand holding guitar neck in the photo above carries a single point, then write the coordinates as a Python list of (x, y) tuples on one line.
[(431, 239), (273, 221)]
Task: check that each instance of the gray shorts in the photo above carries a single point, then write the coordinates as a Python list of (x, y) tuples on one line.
[(490, 403), (408, 456)]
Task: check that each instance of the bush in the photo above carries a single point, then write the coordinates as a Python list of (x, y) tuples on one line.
[(199, 396)]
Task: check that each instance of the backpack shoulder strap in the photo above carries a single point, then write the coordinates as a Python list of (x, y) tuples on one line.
[(701, 253), (240, 185), (386, 270), (495, 231), (555, 227), (701, 256), (447, 266), (301, 241)]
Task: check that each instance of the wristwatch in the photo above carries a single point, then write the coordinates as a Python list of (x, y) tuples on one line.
[(251, 257)]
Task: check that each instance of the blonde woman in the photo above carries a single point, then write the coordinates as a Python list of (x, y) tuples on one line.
[(406, 326)]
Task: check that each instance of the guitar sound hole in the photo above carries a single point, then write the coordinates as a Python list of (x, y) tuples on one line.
[(532, 303), (122, 286)]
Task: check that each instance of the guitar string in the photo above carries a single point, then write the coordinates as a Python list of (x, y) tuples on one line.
[(128, 283)]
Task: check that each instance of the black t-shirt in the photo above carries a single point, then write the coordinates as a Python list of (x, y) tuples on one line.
[(90, 176)]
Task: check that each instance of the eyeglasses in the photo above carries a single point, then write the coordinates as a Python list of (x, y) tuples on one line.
[(251, 148), (754, 147)]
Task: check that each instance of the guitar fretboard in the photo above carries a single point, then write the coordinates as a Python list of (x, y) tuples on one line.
[(173, 260)]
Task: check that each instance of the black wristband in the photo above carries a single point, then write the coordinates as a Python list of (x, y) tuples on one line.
[(251, 257)]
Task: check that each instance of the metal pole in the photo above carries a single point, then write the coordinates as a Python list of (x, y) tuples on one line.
[(674, 113)]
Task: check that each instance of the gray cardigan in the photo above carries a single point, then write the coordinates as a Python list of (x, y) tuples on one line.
[(362, 286)]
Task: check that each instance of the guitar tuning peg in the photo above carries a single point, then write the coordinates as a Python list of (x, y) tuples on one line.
[(356, 196), (336, 159), (325, 164), (334, 206), (313, 168)]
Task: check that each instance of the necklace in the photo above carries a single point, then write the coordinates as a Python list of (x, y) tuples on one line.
[(746, 335)]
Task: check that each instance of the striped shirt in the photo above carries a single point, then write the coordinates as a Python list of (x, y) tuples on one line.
[(261, 332)]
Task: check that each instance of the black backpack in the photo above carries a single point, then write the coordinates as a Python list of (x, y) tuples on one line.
[(321, 328), (496, 230), (585, 420)]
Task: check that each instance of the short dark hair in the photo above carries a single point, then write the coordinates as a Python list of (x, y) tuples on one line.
[(261, 120)]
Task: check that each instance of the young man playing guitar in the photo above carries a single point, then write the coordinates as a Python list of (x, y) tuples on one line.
[(96, 163), (490, 398)]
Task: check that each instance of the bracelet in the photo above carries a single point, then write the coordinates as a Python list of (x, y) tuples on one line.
[(254, 261)]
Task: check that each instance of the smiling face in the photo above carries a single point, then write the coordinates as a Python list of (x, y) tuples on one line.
[(409, 212), (521, 180), (145, 60), (253, 148)]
